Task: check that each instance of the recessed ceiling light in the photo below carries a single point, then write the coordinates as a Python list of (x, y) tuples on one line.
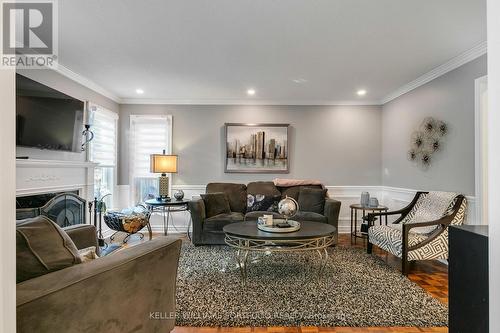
[(251, 92), (139, 91), (299, 80), (361, 92)]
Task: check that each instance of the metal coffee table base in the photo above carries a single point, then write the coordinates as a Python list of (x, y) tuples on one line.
[(245, 245)]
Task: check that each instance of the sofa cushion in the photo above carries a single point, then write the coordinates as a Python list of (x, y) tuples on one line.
[(309, 216), (42, 247), (217, 222), (265, 188), (293, 191), (262, 196), (261, 202), (312, 200), (236, 194), (216, 203), (253, 216)]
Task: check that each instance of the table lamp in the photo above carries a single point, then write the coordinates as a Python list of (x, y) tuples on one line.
[(162, 163)]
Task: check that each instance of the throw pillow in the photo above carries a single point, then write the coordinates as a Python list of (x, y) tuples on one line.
[(312, 200), (42, 247), (216, 203), (88, 254), (261, 202)]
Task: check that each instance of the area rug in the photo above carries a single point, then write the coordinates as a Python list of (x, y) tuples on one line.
[(284, 289)]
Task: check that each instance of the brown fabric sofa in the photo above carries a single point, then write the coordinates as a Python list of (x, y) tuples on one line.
[(132, 290), (209, 230)]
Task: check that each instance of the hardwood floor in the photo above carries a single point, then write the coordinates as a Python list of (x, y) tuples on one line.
[(432, 276)]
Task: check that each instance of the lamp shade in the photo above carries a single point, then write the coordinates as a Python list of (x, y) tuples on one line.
[(163, 163)]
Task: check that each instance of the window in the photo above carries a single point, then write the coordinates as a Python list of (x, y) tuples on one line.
[(103, 151), (149, 134)]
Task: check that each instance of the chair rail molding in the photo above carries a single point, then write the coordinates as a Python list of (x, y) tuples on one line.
[(393, 197)]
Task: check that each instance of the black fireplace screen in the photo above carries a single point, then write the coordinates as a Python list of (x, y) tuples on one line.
[(65, 209)]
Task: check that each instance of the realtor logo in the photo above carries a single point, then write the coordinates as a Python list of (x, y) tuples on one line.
[(29, 34)]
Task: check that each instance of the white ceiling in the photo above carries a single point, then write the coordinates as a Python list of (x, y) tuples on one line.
[(212, 51)]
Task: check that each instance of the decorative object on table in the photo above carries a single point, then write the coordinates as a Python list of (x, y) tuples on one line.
[(256, 148), (129, 221), (269, 219), (266, 220), (365, 199), (426, 141), (288, 207), (162, 163), (279, 226), (373, 202), (179, 195)]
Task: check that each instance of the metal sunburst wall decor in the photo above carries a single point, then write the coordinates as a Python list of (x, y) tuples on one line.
[(426, 141)]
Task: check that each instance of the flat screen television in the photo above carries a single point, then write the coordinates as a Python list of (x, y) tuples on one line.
[(47, 118)]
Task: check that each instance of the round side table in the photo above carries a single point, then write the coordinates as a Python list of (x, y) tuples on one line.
[(355, 233), (167, 207)]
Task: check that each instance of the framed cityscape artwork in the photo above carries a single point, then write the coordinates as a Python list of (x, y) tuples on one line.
[(256, 148)]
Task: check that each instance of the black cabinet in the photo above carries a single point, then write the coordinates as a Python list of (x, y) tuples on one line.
[(468, 279)]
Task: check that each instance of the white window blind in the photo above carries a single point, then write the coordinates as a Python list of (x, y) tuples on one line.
[(103, 147), (103, 150), (149, 134)]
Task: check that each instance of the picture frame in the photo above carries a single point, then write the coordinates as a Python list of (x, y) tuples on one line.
[(256, 148)]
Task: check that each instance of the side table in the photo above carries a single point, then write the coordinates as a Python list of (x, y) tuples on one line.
[(355, 233), (167, 207)]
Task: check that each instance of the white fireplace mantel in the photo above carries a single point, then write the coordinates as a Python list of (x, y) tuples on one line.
[(48, 176)]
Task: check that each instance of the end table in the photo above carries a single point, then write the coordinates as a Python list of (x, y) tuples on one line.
[(355, 233), (167, 207)]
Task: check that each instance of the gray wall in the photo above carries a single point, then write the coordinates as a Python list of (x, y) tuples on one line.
[(451, 99), (60, 82), (339, 145)]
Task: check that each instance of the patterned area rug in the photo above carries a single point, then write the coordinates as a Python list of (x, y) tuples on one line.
[(284, 289)]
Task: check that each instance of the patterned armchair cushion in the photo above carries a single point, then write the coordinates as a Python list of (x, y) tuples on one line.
[(390, 238), (430, 207)]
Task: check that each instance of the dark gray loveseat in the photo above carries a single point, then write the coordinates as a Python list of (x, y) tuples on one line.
[(209, 230)]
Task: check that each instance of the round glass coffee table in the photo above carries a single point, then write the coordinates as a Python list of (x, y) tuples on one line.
[(246, 237)]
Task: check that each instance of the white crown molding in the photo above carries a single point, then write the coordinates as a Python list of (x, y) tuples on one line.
[(448, 66), (63, 70), (145, 101)]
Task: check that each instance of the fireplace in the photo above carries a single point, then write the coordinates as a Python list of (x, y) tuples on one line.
[(41, 181), (65, 208)]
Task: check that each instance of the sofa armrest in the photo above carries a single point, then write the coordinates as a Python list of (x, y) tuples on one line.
[(83, 235), (332, 211), (122, 292), (197, 210)]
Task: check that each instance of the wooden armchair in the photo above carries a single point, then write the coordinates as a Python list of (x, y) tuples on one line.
[(400, 240)]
